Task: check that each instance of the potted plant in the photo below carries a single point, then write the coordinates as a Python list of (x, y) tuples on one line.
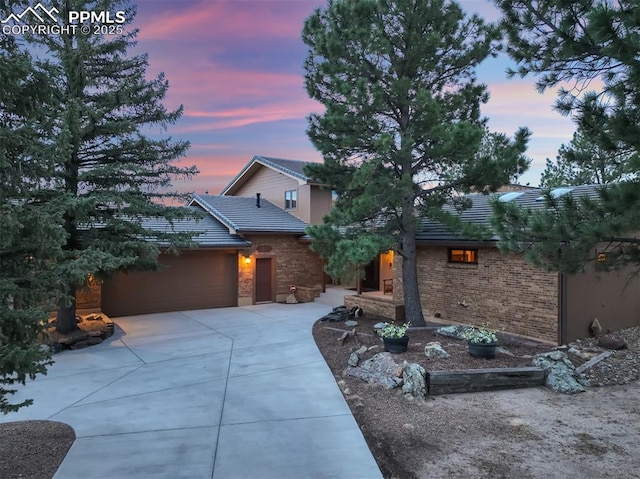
[(482, 342), (395, 337)]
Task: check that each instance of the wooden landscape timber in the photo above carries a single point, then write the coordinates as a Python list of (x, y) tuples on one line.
[(474, 380)]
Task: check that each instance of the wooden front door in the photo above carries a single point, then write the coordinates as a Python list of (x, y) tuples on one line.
[(264, 280)]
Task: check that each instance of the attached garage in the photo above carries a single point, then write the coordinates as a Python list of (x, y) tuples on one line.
[(196, 279)]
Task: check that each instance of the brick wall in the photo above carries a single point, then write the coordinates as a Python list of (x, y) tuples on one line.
[(503, 291), (295, 264)]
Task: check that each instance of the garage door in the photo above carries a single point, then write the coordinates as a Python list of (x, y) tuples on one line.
[(193, 280)]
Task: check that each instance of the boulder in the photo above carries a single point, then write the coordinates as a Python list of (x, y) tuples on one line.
[(434, 349), (380, 369), (609, 342), (561, 375), (413, 379)]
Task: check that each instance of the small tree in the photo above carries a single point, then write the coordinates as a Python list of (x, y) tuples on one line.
[(110, 172), (30, 232), (590, 49), (402, 133)]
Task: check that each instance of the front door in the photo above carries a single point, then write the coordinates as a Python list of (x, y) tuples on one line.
[(264, 283)]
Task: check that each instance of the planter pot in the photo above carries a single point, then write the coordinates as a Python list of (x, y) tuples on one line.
[(396, 345), (482, 350)]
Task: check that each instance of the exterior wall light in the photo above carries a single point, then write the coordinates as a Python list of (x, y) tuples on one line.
[(247, 260)]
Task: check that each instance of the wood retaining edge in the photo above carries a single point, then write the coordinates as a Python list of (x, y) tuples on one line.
[(473, 380)]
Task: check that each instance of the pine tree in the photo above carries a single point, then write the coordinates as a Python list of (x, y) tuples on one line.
[(585, 162), (111, 172), (590, 50), (402, 133), (30, 235)]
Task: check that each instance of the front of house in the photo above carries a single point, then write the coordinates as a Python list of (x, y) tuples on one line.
[(471, 282), (248, 249), (252, 248)]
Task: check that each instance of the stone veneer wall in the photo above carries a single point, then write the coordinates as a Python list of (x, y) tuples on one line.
[(90, 298), (295, 264), (503, 291), (372, 305)]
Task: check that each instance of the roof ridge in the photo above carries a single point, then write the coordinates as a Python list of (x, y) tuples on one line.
[(211, 210)]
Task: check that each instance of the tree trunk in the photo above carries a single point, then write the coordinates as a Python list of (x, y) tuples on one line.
[(412, 306), (66, 319)]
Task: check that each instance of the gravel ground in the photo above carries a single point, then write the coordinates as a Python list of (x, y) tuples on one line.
[(523, 433)]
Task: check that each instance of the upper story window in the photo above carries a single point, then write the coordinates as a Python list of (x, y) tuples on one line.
[(290, 199), (468, 256)]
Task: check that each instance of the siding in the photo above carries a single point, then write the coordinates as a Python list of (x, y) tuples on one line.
[(611, 297), (271, 185), (503, 291)]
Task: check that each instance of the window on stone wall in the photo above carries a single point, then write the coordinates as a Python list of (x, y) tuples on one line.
[(468, 256), (290, 199)]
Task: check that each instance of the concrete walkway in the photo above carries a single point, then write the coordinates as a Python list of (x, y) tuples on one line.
[(221, 393)]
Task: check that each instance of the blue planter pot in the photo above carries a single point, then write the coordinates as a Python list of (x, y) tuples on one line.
[(481, 350), (396, 345)]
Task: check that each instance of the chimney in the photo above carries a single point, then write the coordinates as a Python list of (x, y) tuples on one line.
[(257, 200)]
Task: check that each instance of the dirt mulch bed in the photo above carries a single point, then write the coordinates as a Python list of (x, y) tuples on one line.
[(500, 434)]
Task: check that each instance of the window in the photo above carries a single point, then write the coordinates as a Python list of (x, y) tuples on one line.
[(469, 256), (290, 199)]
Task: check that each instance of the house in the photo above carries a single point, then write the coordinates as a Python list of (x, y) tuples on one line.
[(251, 247), (468, 281), (283, 183)]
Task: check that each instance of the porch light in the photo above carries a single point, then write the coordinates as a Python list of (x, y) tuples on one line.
[(247, 260)]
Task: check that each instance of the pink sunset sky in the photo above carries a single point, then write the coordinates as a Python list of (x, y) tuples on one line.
[(236, 67)]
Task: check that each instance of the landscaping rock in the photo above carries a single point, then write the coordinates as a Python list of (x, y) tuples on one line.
[(434, 349), (379, 326), (452, 331), (561, 374), (354, 359), (609, 342), (380, 369), (501, 350), (414, 384), (94, 317), (355, 356), (351, 323), (340, 313)]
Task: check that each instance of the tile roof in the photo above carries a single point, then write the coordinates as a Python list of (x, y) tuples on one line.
[(480, 211), (209, 232), (240, 214), (292, 168)]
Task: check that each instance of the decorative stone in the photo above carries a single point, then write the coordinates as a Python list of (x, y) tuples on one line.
[(291, 299), (362, 350), (379, 326), (351, 323), (609, 342), (413, 378), (79, 345), (354, 359), (380, 369), (94, 317), (452, 331), (501, 350), (561, 374), (595, 327), (434, 349)]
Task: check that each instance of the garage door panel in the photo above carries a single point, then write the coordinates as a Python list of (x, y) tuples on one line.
[(193, 280)]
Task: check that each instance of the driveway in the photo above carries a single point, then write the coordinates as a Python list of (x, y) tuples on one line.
[(219, 393)]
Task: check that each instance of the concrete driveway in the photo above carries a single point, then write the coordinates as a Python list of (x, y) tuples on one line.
[(220, 393)]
